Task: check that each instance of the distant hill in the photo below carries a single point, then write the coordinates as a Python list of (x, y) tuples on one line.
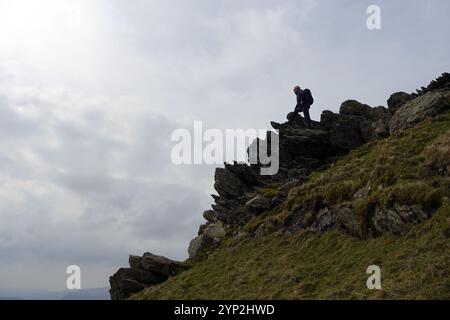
[(83, 294)]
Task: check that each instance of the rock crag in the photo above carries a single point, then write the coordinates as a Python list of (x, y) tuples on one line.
[(243, 194)]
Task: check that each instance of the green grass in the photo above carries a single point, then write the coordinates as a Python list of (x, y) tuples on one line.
[(397, 170), (402, 169), (328, 266)]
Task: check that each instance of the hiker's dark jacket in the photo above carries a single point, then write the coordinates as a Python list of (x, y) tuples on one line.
[(300, 105)]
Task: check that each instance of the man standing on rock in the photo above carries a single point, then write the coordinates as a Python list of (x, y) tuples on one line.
[(304, 102)]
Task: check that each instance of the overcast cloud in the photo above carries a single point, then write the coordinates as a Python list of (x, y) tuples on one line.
[(90, 92)]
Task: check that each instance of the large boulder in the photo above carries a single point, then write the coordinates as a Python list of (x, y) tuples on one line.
[(345, 133), (157, 264), (306, 143), (354, 108), (128, 281), (398, 220), (398, 99), (428, 105), (215, 231), (144, 272), (228, 185), (355, 124)]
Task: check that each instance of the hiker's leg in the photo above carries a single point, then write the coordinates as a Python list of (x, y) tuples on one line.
[(307, 117), (294, 116)]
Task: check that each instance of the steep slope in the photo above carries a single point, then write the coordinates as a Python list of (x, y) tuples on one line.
[(289, 261), (364, 186)]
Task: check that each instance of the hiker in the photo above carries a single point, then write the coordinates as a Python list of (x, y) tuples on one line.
[(304, 102)]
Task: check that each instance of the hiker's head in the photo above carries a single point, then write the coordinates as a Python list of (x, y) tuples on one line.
[(296, 89)]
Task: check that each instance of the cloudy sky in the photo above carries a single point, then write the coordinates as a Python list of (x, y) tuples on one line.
[(90, 92)]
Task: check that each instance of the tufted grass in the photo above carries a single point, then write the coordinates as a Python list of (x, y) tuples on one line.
[(306, 265), (327, 266)]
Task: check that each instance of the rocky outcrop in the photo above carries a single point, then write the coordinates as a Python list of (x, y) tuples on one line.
[(398, 220), (425, 106), (143, 272), (355, 125), (398, 99), (442, 82), (429, 101), (243, 194)]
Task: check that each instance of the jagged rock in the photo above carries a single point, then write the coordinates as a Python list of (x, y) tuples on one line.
[(247, 174), (299, 121), (375, 125), (128, 281), (197, 245), (215, 196), (430, 104), (215, 231), (258, 204), (442, 82), (344, 131), (306, 143), (157, 264), (144, 271), (325, 220), (327, 119), (398, 220), (228, 185), (228, 210), (301, 151), (211, 215), (354, 108), (356, 124), (348, 220), (398, 99), (275, 125), (201, 228), (202, 243)]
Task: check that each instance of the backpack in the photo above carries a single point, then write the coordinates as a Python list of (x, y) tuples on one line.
[(307, 97)]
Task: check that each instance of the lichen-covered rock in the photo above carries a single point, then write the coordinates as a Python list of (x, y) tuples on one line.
[(215, 231), (198, 245), (398, 220), (338, 216), (325, 220), (428, 105)]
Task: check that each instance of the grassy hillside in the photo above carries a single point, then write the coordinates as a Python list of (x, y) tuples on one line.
[(407, 168)]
